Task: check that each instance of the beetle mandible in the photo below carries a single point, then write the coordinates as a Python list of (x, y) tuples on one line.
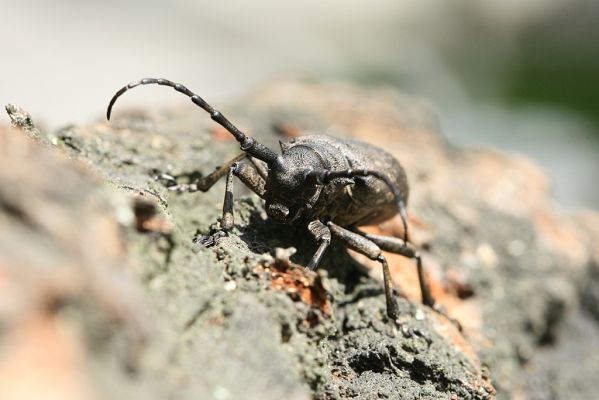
[(330, 185)]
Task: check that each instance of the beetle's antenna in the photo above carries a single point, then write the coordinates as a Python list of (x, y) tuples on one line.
[(248, 144), (326, 176)]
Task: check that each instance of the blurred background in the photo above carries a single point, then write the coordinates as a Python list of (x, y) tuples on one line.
[(517, 74)]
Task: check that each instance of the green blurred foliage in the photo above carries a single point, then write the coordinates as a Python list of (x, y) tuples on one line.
[(558, 62)]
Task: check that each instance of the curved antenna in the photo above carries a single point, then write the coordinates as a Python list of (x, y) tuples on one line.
[(324, 176), (247, 144)]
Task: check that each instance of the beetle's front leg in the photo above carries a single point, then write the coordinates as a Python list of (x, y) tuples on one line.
[(204, 183), (261, 167), (322, 234), (227, 221), (250, 177)]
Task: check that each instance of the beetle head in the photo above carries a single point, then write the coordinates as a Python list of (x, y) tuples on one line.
[(287, 192)]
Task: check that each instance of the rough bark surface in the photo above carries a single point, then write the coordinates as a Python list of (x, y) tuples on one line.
[(105, 295)]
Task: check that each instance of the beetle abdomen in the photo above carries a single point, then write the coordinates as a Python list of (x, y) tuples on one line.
[(369, 200)]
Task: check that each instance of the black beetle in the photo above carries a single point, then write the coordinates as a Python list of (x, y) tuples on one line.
[(330, 185)]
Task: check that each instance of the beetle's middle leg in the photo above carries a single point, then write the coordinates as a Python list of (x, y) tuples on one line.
[(367, 247), (398, 246), (250, 177)]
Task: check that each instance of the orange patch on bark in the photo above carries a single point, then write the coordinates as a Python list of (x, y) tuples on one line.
[(42, 358), (288, 130), (299, 284), (560, 236), (221, 134)]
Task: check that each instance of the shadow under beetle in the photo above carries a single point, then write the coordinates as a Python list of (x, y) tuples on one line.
[(330, 185)]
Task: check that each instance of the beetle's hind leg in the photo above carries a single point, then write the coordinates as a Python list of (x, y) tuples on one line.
[(367, 247)]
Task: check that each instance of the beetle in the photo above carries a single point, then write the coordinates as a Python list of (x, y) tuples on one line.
[(330, 185)]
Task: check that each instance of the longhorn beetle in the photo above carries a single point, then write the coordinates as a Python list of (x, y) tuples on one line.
[(330, 185)]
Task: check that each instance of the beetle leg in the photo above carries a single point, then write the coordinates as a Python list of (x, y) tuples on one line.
[(323, 235), (314, 198), (227, 221), (367, 247), (251, 178), (205, 183), (261, 167), (248, 175), (398, 246)]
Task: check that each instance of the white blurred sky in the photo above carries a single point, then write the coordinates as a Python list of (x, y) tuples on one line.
[(63, 59)]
